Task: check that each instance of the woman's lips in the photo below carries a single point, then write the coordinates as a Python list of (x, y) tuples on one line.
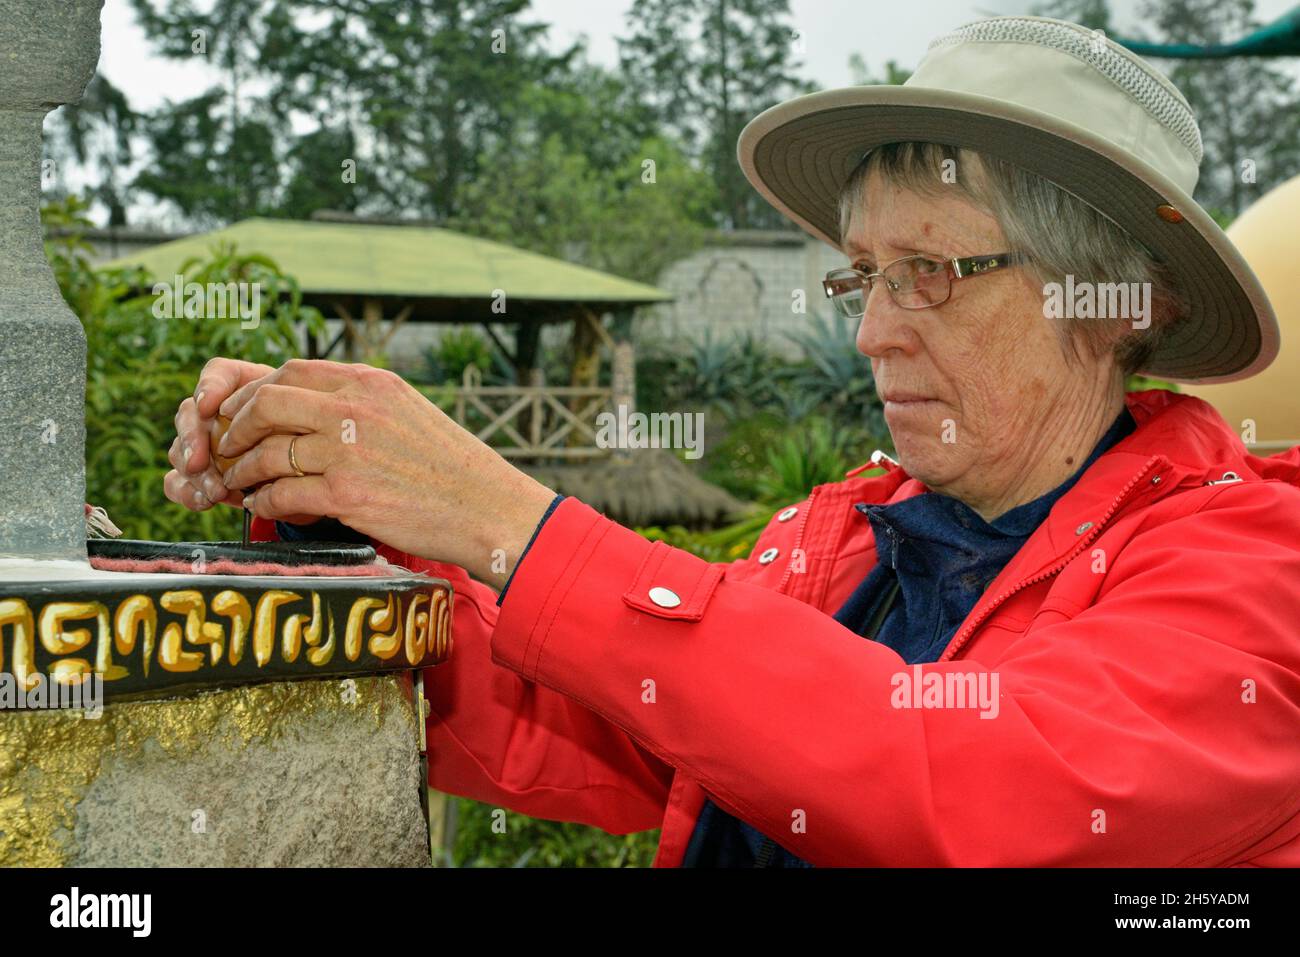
[(897, 404)]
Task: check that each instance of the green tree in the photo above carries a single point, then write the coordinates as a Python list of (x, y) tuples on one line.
[(211, 173), (634, 219), (1248, 107), (96, 133), (893, 75), (1093, 14), (707, 67), (217, 156), (435, 85)]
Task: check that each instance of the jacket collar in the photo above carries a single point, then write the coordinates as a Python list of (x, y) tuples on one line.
[(1180, 442)]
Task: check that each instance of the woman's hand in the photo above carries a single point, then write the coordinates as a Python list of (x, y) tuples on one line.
[(382, 459), (194, 480)]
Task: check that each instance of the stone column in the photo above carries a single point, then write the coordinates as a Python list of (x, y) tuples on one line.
[(48, 53)]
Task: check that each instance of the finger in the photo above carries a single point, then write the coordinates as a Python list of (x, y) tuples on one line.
[(291, 497), (191, 445), (182, 491), (277, 408), (220, 377), (209, 480), (318, 375), (269, 459)]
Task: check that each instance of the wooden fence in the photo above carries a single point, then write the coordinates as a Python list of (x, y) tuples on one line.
[(532, 421)]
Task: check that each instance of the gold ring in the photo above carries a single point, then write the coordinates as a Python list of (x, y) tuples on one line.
[(293, 459)]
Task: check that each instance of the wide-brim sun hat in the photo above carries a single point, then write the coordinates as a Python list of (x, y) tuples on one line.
[(1063, 102)]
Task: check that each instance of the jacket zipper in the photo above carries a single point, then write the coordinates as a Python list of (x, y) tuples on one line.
[(964, 635), (768, 848), (798, 539)]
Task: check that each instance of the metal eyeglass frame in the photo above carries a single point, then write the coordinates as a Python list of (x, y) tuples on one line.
[(961, 268)]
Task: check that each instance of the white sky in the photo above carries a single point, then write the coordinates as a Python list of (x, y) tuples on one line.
[(832, 30)]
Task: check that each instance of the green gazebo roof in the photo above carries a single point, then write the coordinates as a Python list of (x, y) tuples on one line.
[(445, 274)]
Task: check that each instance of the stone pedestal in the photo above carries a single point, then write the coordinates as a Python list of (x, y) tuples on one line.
[(311, 773), (48, 54)]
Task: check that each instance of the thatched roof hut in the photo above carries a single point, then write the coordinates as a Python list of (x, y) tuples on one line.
[(644, 487)]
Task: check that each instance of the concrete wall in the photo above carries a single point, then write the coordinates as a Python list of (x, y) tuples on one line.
[(742, 283)]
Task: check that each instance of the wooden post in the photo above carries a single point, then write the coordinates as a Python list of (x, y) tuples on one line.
[(624, 389), (535, 425), (372, 312)]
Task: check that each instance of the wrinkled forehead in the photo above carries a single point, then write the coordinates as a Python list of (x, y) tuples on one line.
[(882, 215)]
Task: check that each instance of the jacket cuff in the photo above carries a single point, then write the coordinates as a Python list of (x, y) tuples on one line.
[(588, 579), (550, 510)]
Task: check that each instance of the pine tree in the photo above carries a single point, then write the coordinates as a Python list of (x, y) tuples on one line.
[(707, 67)]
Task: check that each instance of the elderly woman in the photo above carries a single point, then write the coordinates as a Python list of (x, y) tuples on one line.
[(1064, 629)]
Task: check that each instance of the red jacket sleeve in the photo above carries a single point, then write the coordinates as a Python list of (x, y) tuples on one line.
[(496, 737), (1123, 735)]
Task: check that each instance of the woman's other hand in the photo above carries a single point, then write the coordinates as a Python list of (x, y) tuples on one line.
[(194, 480), (383, 459)]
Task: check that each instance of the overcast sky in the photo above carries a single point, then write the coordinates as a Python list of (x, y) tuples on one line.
[(832, 30)]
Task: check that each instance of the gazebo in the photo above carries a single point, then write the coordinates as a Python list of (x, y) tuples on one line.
[(375, 277)]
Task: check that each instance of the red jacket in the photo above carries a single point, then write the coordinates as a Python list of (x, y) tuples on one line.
[(1145, 640)]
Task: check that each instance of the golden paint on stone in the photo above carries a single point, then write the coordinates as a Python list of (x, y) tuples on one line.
[(356, 615), (268, 606), (320, 655), (136, 613), (48, 759), (417, 630), (60, 641), (233, 605), (15, 612), (383, 645), (136, 650)]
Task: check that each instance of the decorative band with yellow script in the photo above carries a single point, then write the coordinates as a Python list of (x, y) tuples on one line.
[(153, 635)]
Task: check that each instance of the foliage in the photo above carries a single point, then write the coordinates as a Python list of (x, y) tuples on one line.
[(139, 367), (533, 842), (801, 459), (838, 377), (459, 348), (1248, 108), (96, 133), (630, 219), (706, 67), (893, 75)]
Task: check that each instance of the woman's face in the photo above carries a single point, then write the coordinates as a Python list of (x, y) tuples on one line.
[(976, 390)]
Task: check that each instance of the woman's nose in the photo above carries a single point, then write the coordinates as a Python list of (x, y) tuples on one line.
[(885, 325)]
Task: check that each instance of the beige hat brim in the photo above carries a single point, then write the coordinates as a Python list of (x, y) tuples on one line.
[(799, 154)]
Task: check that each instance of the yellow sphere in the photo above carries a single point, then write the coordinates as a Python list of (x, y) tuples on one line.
[(1268, 235)]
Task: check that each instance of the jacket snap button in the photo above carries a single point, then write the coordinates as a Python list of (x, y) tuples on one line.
[(664, 597), (788, 514), (1083, 528), (769, 556)]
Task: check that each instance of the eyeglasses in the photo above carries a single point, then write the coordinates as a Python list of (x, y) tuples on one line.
[(915, 282)]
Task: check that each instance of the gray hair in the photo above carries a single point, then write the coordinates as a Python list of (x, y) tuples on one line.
[(1058, 234)]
